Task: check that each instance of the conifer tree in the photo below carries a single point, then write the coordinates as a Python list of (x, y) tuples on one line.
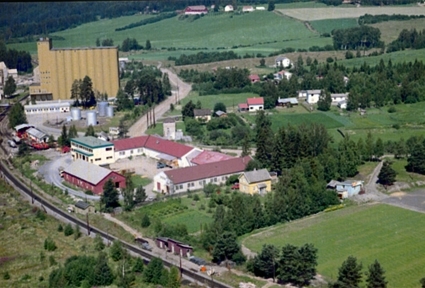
[(375, 276)]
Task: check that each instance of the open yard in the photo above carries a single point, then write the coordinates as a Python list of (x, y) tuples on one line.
[(312, 14), (391, 235)]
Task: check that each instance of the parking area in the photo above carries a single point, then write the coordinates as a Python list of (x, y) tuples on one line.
[(141, 165), (411, 200)]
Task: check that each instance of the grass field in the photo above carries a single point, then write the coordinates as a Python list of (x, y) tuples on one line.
[(312, 14), (390, 234), (326, 26), (391, 29)]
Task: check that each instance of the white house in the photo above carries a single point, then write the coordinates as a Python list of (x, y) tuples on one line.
[(281, 74), (312, 96), (338, 97), (282, 61), (260, 8), (342, 104), (247, 9), (256, 103), (196, 177), (228, 8)]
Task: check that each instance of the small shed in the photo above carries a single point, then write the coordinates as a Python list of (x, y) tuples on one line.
[(84, 208)]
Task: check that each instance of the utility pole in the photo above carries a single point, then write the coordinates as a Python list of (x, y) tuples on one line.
[(153, 109), (88, 225)]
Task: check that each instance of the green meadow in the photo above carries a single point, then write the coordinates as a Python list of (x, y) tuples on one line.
[(390, 234), (326, 26)]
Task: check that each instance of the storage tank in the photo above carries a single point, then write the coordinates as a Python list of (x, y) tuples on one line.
[(110, 111), (102, 108), (91, 118), (76, 114)]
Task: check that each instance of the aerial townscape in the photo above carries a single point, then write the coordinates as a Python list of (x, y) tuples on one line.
[(212, 143)]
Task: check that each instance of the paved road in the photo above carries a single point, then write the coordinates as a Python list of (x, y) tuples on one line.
[(140, 126)]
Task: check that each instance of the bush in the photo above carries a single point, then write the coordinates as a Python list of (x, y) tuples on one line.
[(68, 230), (146, 222), (52, 260), (40, 215), (392, 109), (60, 228), (49, 244), (202, 207), (6, 275), (329, 59), (196, 197), (77, 232), (88, 192), (396, 126)]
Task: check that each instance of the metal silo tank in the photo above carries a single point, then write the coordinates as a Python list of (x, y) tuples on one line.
[(76, 114), (110, 111), (91, 118), (102, 108)]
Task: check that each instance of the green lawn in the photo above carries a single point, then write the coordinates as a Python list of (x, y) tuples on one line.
[(140, 180), (390, 234), (193, 219), (326, 26)]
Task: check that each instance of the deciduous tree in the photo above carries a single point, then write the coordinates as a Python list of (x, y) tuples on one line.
[(17, 115)]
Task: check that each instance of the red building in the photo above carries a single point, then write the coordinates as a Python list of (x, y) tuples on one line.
[(196, 10), (91, 177), (174, 246)]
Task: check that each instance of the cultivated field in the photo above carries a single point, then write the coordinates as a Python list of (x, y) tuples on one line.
[(391, 29), (327, 25), (311, 14), (392, 235)]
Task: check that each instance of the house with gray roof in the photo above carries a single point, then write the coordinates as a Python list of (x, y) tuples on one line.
[(255, 182), (91, 177)]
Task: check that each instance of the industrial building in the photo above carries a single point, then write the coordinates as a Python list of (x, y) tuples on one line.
[(92, 150), (60, 67), (47, 108)]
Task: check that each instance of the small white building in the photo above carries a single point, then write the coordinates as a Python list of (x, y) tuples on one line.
[(247, 9), (282, 61), (313, 96), (37, 135), (58, 107), (338, 97), (282, 74), (255, 103), (260, 8), (342, 104), (228, 8)]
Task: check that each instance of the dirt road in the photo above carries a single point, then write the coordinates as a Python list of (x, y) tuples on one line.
[(183, 89)]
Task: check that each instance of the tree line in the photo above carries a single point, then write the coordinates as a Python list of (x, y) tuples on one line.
[(204, 57), (14, 59), (372, 19), (408, 39), (363, 37), (370, 2)]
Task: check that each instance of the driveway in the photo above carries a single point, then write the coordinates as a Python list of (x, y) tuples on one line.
[(414, 201)]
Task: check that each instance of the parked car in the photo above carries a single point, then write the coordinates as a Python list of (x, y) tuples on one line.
[(11, 143), (143, 243), (146, 246), (197, 260), (235, 186), (160, 165)]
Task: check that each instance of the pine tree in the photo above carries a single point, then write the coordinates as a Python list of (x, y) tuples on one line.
[(265, 263), (246, 145), (153, 271), (116, 251), (17, 115), (264, 138), (325, 101), (375, 276), (90, 131), (146, 222), (173, 278), (148, 45), (387, 175), (109, 198), (140, 195), (379, 148), (349, 274), (98, 243), (9, 86)]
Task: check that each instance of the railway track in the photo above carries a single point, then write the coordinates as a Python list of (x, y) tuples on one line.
[(186, 273)]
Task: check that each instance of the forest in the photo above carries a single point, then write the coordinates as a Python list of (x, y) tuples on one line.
[(20, 60)]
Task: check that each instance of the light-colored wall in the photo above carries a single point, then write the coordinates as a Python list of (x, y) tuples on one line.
[(59, 68), (312, 98), (252, 188), (127, 153), (101, 156), (255, 107)]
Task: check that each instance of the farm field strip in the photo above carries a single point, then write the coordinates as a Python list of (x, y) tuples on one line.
[(311, 14), (390, 234), (327, 25)]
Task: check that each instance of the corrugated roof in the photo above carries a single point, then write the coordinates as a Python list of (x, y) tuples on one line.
[(82, 205), (257, 176), (195, 173), (201, 112), (92, 142), (86, 171), (36, 133), (210, 157), (23, 126), (255, 101), (167, 147), (130, 143)]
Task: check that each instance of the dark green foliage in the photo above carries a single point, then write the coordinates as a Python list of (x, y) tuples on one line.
[(173, 278), (226, 248), (98, 243), (77, 232), (153, 271), (146, 222), (422, 281), (9, 86), (49, 244), (408, 39), (194, 127), (265, 263), (116, 252), (140, 195), (39, 214), (107, 42), (253, 165), (372, 19), (297, 265), (148, 45), (219, 106), (375, 276), (263, 138), (143, 22), (196, 197), (130, 44), (349, 274), (325, 101), (68, 230), (87, 93), (387, 175), (21, 60), (109, 198), (6, 275), (17, 115), (204, 57), (355, 37), (416, 160), (138, 265), (60, 228), (52, 261), (270, 6), (187, 111), (123, 100)]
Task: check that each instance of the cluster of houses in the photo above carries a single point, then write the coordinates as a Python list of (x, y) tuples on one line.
[(202, 9)]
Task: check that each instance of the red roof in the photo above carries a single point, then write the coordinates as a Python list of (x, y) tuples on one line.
[(199, 8), (254, 77), (243, 106), (255, 101), (167, 147), (210, 157), (130, 143), (209, 170)]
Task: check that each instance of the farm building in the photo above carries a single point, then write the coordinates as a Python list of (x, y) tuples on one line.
[(127, 147), (196, 177), (228, 8), (338, 97), (91, 177), (93, 150), (254, 78), (347, 188), (311, 96), (37, 135), (220, 113), (196, 10), (202, 114), (256, 103), (255, 182), (209, 157), (282, 61), (287, 102), (84, 207), (247, 9), (242, 107), (47, 108), (174, 246)]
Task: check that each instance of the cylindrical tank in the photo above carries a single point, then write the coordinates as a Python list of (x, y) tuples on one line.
[(110, 111), (91, 118), (102, 108), (76, 114)]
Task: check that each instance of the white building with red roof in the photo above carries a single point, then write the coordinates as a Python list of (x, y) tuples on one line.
[(196, 177), (196, 10), (256, 103), (206, 157)]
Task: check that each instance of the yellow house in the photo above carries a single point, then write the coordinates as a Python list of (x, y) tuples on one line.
[(92, 150), (59, 68), (255, 182)]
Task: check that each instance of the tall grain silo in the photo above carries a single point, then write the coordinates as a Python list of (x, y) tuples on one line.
[(76, 114), (91, 118), (102, 108)]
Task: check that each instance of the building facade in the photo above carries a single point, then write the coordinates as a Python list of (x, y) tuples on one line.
[(59, 68), (92, 150), (255, 182)]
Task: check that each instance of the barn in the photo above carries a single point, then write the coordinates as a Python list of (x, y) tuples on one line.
[(91, 177)]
